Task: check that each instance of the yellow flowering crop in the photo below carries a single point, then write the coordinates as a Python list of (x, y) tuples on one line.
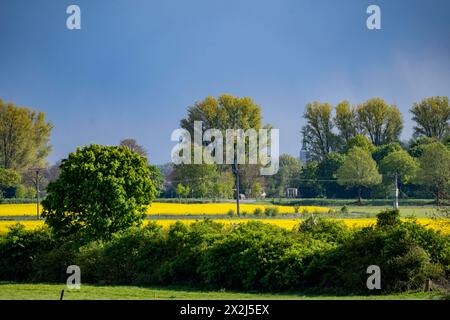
[(437, 224), (28, 209), (158, 208)]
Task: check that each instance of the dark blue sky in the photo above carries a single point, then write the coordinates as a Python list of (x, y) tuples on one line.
[(136, 65)]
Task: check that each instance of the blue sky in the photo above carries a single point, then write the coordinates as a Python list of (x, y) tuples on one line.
[(135, 66)]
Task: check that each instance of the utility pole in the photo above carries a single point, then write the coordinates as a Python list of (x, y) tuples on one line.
[(396, 191), (36, 181), (236, 170)]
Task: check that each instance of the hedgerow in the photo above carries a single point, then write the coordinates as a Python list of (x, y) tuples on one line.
[(320, 255)]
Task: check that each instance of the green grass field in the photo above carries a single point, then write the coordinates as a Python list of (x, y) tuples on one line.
[(10, 291)]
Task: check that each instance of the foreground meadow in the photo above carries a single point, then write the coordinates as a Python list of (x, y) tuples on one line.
[(13, 291), (442, 225)]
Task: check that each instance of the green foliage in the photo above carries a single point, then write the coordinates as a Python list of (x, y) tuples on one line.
[(327, 171), (358, 169), (24, 137), (19, 249), (8, 178), (360, 141), (417, 146), (432, 117), (323, 229), (271, 211), (399, 163), (23, 192), (318, 132), (319, 254), (222, 113), (310, 187), (383, 123), (388, 218), (258, 212), (182, 191), (157, 177), (200, 180), (384, 150), (346, 120), (434, 169), (101, 190)]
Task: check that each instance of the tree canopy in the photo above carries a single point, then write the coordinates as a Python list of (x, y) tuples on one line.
[(434, 169), (24, 137), (432, 117), (100, 190), (358, 170)]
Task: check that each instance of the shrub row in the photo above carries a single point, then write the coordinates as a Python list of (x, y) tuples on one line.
[(318, 254)]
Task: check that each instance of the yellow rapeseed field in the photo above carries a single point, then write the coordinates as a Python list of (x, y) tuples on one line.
[(219, 208), (158, 208), (28, 209), (441, 224)]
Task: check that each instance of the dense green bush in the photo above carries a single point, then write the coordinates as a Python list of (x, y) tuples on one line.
[(101, 190), (407, 253), (318, 254), (19, 249)]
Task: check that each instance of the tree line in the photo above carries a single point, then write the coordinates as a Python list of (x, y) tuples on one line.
[(24, 147), (353, 151)]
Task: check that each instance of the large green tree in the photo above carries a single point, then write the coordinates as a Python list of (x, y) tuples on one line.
[(199, 178), (309, 186), (380, 152), (287, 176), (358, 170), (327, 173), (398, 166), (24, 137), (382, 122), (434, 169), (318, 131), (100, 190), (432, 117), (360, 141), (222, 113), (346, 121)]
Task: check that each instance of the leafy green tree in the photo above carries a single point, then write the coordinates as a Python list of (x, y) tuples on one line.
[(434, 169), (383, 151), (309, 186), (199, 178), (358, 170), (182, 190), (417, 146), (398, 164), (287, 176), (383, 123), (158, 178), (318, 131), (100, 190), (360, 141), (346, 120), (8, 178), (222, 113), (327, 171), (432, 117), (223, 186), (256, 190), (24, 137)]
